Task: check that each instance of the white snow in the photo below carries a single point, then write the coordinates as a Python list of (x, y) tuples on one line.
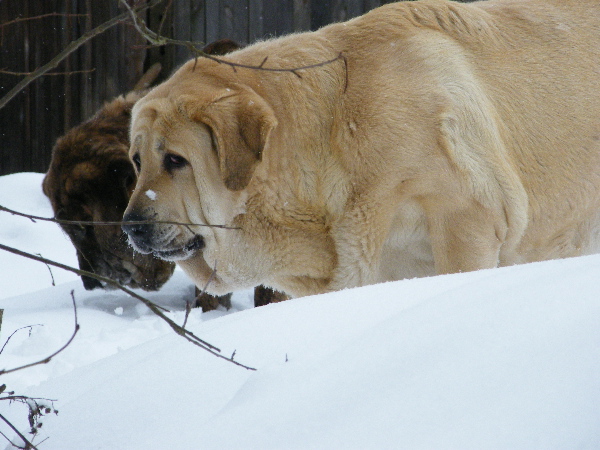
[(497, 359)]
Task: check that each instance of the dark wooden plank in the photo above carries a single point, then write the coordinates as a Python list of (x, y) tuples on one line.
[(255, 20), (227, 19), (278, 17), (320, 13), (342, 10), (371, 4), (302, 10), (211, 19), (197, 21), (160, 19), (13, 119), (31, 122), (181, 29), (234, 20)]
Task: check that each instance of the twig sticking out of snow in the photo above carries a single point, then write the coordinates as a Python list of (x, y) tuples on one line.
[(156, 309)]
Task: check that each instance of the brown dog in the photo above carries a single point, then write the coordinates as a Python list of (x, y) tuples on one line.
[(445, 137), (91, 178)]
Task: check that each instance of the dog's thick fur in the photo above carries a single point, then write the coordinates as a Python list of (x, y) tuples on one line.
[(449, 137)]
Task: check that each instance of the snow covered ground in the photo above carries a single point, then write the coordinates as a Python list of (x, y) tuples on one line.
[(496, 359)]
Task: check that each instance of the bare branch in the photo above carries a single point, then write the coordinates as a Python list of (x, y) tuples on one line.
[(42, 16), (140, 25), (345, 71), (186, 334), (28, 445), (51, 274), (90, 222), (157, 40), (293, 70), (210, 279), (188, 308), (70, 48), (164, 16), (9, 72)]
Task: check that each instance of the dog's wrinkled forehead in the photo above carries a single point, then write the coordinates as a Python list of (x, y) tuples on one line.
[(149, 116), (153, 122)]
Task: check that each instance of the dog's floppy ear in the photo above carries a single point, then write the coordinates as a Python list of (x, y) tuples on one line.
[(241, 122)]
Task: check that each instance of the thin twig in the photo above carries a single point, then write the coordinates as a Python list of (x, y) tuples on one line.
[(91, 222), (9, 72), (157, 40), (210, 278), (19, 329), (188, 306), (42, 16), (188, 310), (47, 359), (273, 69), (28, 444), (49, 270), (164, 16), (346, 72), (24, 398), (186, 334)]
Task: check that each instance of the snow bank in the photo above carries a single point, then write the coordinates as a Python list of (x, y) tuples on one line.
[(503, 358)]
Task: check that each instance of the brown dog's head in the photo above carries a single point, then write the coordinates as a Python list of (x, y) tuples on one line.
[(90, 179)]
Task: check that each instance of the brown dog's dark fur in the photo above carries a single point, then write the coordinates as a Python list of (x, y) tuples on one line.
[(91, 179)]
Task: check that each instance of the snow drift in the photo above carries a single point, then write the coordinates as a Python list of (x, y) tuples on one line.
[(502, 358)]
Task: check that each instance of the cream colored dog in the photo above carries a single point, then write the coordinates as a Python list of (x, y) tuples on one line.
[(447, 137)]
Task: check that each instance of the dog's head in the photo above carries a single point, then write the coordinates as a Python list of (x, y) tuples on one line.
[(90, 179), (195, 141)]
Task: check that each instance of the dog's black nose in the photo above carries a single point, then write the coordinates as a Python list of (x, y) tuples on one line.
[(136, 230)]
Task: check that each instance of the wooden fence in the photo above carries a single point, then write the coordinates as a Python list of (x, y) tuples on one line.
[(111, 63)]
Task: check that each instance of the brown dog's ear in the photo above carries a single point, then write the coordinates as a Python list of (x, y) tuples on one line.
[(221, 47), (46, 185), (241, 122)]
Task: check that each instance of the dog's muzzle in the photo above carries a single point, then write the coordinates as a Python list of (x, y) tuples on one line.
[(140, 234), (143, 237)]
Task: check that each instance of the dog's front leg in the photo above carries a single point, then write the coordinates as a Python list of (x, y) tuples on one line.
[(359, 239), (466, 239)]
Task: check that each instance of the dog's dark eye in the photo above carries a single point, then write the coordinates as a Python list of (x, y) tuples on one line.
[(174, 162), (137, 161)]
